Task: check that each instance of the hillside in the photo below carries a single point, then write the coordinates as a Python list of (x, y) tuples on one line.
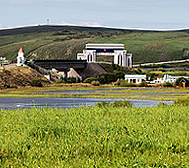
[(64, 42), (19, 76)]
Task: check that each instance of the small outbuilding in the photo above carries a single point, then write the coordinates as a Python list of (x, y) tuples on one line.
[(21, 58), (135, 78)]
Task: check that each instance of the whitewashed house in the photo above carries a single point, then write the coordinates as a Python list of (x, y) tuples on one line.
[(167, 78), (21, 58), (135, 78)]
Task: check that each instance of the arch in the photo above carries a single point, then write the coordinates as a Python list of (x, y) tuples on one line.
[(89, 58), (120, 60), (128, 62)]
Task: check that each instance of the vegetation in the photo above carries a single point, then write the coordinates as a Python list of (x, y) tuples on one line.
[(63, 42), (36, 82), (168, 84), (179, 81), (95, 137), (182, 101), (95, 83), (20, 76)]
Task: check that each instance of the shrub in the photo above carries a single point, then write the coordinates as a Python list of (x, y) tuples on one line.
[(71, 80), (106, 78), (124, 83), (143, 84), (178, 81), (119, 74), (117, 83), (102, 104), (59, 81), (167, 84), (89, 80), (120, 103), (182, 101), (95, 83), (36, 82), (7, 86)]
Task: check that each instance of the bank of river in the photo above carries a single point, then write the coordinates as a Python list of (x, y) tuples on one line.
[(13, 103)]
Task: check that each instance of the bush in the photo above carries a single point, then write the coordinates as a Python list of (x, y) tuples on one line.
[(167, 84), (119, 74), (36, 82), (59, 81), (89, 80), (118, 103), (95, 83), (106, 78), (124, 83), (71, 80), (182, 101), (102, 104), (117, 83), (7, 86), (178, 81), (143, 84)]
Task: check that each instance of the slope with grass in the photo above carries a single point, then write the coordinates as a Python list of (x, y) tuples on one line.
[(64, 42), (19, 76)]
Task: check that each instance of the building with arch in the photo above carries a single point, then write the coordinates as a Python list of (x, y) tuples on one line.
[(121, 57)]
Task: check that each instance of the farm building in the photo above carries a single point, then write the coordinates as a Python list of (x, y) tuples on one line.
[(135, 78)]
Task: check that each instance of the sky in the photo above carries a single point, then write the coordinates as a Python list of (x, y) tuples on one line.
[(135, 14)]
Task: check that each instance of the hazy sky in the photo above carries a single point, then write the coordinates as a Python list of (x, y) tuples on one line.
[(145, 14)]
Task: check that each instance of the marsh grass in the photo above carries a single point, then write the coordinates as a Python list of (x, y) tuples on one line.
[(95, 137), (182, 101), (126, 93)]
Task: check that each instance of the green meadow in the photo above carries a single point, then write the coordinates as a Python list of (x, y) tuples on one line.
[(95, 137), (96, 92), (65, 42)]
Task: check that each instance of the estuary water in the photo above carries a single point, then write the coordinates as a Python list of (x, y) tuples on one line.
[(14, 103)]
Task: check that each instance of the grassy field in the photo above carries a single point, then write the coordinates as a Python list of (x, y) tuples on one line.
[(66, 42), (95, 137), (125, 93)]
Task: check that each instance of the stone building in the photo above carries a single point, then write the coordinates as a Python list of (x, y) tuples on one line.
[(121, 57)]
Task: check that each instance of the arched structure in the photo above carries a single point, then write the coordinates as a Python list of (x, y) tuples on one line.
[(121, 57)]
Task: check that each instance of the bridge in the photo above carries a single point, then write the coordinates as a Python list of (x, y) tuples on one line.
[(83, 68), (61, 65)]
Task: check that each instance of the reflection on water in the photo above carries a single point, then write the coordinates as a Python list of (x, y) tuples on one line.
[(13, 103)]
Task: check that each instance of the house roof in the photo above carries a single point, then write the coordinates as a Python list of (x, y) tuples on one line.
[(21, 50)]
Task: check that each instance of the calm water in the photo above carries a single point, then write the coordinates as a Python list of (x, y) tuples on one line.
[(13, 103)]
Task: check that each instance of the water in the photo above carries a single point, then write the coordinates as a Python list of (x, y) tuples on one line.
[(14, 103)]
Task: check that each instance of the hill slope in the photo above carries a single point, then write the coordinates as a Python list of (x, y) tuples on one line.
[(19, 76), (64, 42)]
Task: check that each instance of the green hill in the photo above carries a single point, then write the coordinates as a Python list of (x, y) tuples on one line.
[(64, 42)]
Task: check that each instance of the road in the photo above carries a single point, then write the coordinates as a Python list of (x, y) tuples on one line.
[(159, 63)]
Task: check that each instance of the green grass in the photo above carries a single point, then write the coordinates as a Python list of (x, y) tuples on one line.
[(95, 137), (61, 44), (127, 93)]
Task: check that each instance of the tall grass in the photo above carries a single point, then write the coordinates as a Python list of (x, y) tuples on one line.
[(95, 137)]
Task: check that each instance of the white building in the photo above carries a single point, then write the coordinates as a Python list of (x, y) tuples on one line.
[(167, 78), (21, 58), (121, 57), (135, 78)]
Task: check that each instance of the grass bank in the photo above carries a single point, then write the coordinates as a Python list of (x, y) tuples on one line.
[(96, 92), (95, 137)]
